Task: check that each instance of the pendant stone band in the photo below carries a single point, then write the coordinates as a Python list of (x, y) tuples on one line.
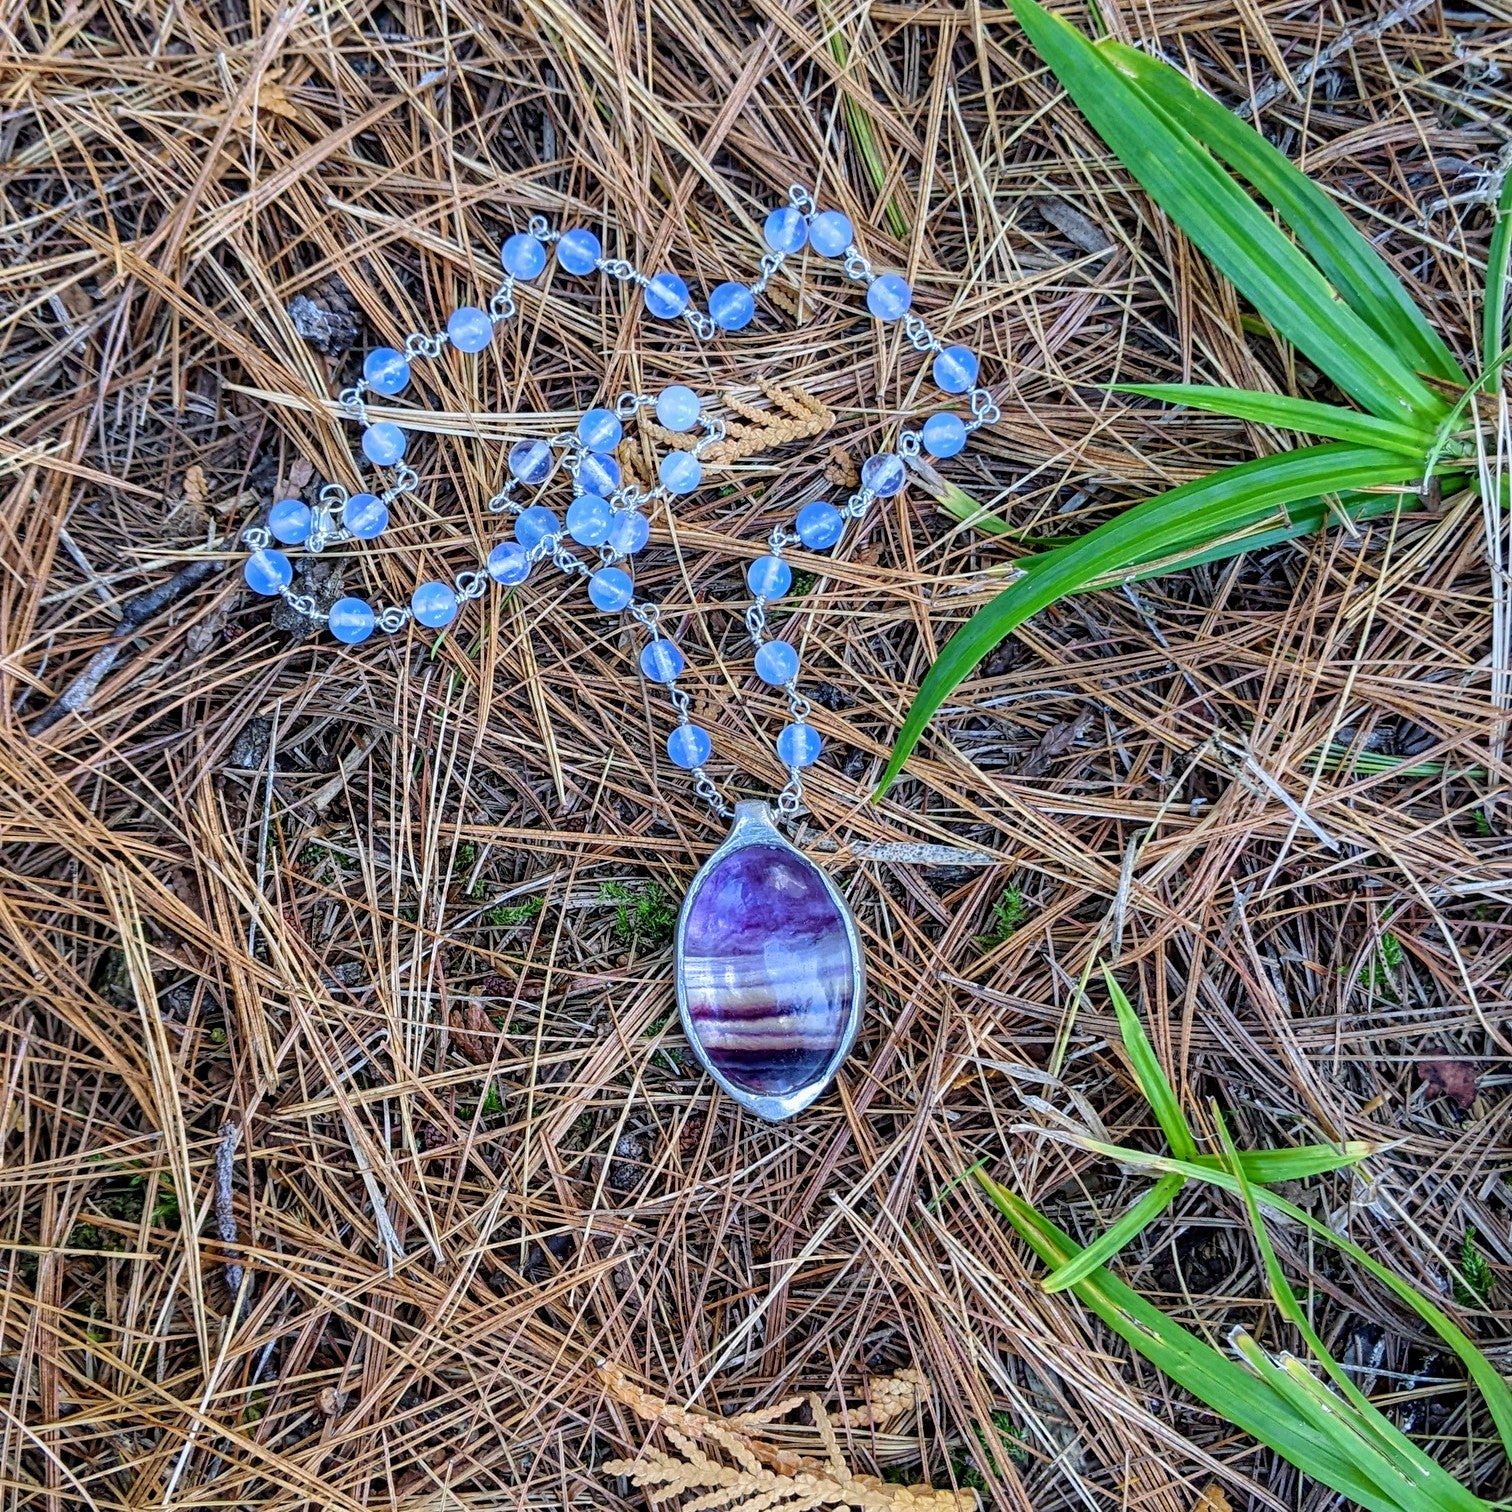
[(771, 977)]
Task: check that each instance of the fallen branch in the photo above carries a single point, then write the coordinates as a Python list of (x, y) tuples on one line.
[(136, 613)]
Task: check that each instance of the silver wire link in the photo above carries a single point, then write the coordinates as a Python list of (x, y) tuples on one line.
[(790, 799), (625, 272), (703, 785), (858, 503), (505, 500), (755, 620), (798, 706), (333, 496), (393, 619), (257, 536), (417, 344), (324, 531), (351, 402), (857, 268), (802, 201), (919, 335), (984, 410), (648, 615), (471, 585), (303, 604), (502, 305), (703, 327), (629, 404), (910, 443), (540, 228), (714, 433), (769, 264), (564, 561), (406, 480), (781, 537), (681, 702)]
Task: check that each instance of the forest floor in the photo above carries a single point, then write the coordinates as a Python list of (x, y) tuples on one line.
[(342, 977)]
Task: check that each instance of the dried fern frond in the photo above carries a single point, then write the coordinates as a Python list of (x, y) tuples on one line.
[(795, 415), (763, 1476)]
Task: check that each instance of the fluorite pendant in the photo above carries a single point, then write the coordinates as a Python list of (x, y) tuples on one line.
[(770, 971)]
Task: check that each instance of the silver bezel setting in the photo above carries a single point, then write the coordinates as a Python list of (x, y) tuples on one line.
[(753, 825)]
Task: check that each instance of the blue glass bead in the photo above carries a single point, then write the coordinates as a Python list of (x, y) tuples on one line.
[(776, 663), (534, 525), (798, 745), (469, 329), (267, 571), (784, 230), (289, 520), (677, 407), (629, 532), (830, 233), (508, 564), (351, 620), (588, 520), (769, 577), (689, 747), (956, 369), (819, 525), (365, 515), (943, 434), (433, 604), (666, 296), (610, 589), (383, 443), (661, 661), (600, 475), (578, 251), (531, 461), (883, 474), (680, 472), (889, 297), (523, 255), (386, 371), (731, 306), (600, 430)]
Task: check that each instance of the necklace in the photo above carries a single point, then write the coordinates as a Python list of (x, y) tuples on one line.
[(768, 960)]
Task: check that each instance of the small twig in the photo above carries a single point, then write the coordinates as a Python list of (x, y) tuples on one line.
[(225, 1212), (135, 613)]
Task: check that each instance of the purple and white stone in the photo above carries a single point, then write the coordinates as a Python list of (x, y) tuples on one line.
[(769, 971)]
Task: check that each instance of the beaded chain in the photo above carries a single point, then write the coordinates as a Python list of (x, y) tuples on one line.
[(606, 512)]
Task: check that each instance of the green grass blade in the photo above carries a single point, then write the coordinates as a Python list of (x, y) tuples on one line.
[(1214, 506), (1150, 1075), (1495, 1390), (1494, 310), (1397, 1460), (1233, 1392), (1305, 415), (1107, 1244), (1362, 276), (1230, 229), (1265, 1166)]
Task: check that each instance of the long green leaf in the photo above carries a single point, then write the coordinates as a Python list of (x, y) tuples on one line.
[(1112, 1239), (1492, 1387), (1230, 1390), (1263, 1166), (1305, 415), (1150, 1074), (1361, 275), (1207, 508), (1403, 1461), (1494, 311), (1242, 242)]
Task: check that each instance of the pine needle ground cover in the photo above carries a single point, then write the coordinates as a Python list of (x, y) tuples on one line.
[(352, 1155)]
